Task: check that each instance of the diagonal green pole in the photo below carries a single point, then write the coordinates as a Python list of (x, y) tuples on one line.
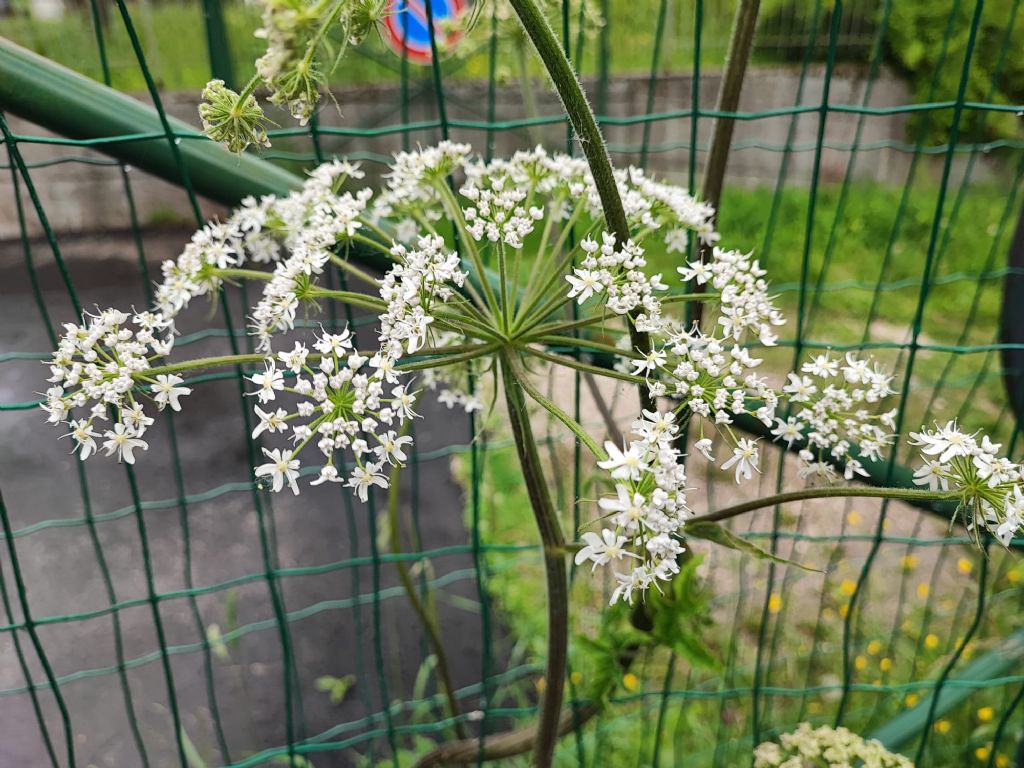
[(72, 105)]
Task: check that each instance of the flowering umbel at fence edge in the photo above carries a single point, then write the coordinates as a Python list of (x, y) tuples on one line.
[(439, 313)]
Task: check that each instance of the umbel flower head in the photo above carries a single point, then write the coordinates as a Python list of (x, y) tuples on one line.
[(343, 402), (826, 747), (101, 368), (989, 487), (234, 120), (644, 519)]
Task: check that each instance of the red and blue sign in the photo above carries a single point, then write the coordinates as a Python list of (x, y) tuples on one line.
[(407, 28)]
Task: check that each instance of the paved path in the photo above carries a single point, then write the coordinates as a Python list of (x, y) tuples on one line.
[(59, 563)]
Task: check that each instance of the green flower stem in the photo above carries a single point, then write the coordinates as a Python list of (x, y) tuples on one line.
[(321, 33), (424, 612), (439, 362), (201, 363), (439, 356), (375, 244), (466, 325), (828, 492), (562, 325), (250, 87), (355, 271), (574, 426), (242, 274), (572, 342), (350, 297), (584, 123), (684, 297), (585, 367), (554, 567), (455, 211)]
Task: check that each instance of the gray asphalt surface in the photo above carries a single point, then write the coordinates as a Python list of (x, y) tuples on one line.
[(336, 616)]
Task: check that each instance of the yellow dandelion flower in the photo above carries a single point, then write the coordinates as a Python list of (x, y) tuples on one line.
[(844, 610), (964, 565), (860, 663), (911, 699), (885, 664), (931, 641), (909, 562), (875, 647), (848, 587), (1002, 761), (985, 714), (853, 518), (576, 678), (981, 753), (774, 604), (630, 681), (942, 726), (922, 590)]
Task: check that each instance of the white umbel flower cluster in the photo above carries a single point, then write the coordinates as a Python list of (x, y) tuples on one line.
[(648, 512), (990, 486), (103, 366), (422, 278), (345, 402), (715, 379), (255, 233), (333, 220), (745, 304), (835, 401), (617, 275), (827, 747)]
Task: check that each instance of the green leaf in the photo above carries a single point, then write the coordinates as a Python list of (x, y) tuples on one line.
[(718, 534)]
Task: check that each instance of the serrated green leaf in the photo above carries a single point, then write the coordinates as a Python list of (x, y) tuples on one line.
[(722, 536)]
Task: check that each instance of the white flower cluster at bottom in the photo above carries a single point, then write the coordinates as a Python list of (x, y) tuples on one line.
[(648, 511), (826, 747)]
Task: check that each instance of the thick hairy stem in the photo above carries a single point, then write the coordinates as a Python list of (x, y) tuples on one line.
[(547, 729), (741, 43), (585, 125), (903, 494), (427, 617)]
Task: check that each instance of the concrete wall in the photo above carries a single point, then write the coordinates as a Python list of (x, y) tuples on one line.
[(89, 196)]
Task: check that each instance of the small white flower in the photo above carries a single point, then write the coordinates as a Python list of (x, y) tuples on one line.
[(168, 391), (281, 469), (745, 458), (624, 465), (123, 440), (363, 477), (602, 549), (270, 382)]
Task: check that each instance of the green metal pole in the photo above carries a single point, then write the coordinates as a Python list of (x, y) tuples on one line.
[(72, 105)]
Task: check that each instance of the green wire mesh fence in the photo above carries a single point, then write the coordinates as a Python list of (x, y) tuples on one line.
[(171, 613)]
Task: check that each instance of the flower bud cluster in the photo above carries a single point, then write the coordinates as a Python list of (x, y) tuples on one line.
[(827, 747), (990, 486), (103, 365), (648, 512), (498, 213), (835, 402)]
